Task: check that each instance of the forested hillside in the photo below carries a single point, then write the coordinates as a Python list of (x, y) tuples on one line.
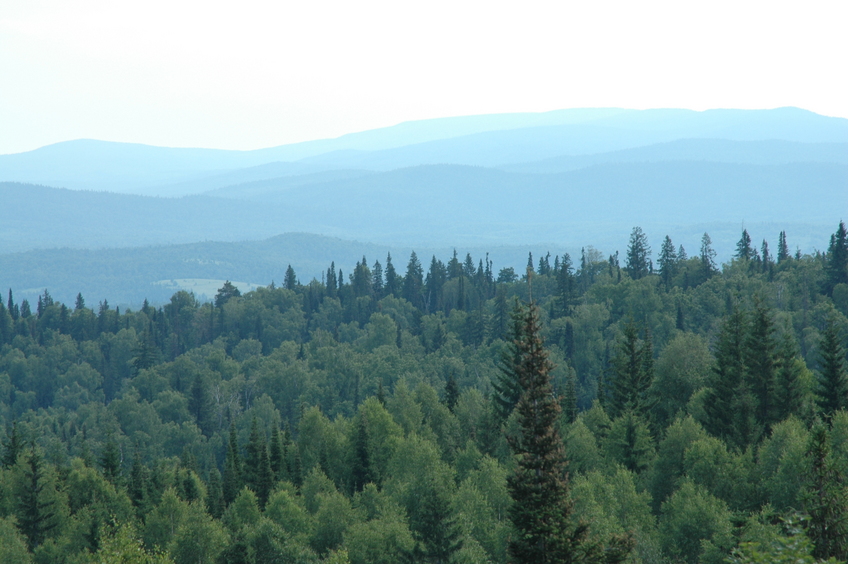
[(410, 409)]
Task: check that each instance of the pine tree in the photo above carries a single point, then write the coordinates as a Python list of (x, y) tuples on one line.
[(542, 509), (833, 381), (638, 254)]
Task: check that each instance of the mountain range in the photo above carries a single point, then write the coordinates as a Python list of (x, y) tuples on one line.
[(563, 180)]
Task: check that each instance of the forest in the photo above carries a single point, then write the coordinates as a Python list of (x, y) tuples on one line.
[(648, 407)]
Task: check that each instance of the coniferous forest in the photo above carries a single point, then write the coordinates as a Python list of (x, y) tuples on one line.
[(650, 406)]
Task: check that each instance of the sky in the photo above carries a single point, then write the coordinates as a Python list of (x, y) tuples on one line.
[(251, 74)]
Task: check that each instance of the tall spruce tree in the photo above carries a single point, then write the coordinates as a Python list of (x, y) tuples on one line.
[(730, 406), (13, 446), (633, 369), (257, 465), (760, 363), (707, 257), (638, 254), (507, 386), (667, 262), (413, 282), (233, 480), (825, 500), (290, 280), (35, 510), (789, 396), (833, 381), (837, 259), (360, 464), (542, 508), (393, 281), (744, 250), (782, 248)]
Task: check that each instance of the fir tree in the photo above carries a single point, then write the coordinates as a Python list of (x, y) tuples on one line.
[(360, 465), (837, 259), (290, 280), (728, 376), (789, 395), (438, 527), (392, 281), (507, 386), (413, 282), (833, 381), (760, 359), (215, 494), (707, 257), (565, 286), (35, 511), (638, 254), (232, 469), (451, 392), (138, 485), (257, 466), (744, 250), (276, 454), (668, 262), (542, 509), (632, 381), (782, 248), (377, 280), (826, 500), (110, 460), (13, 446)]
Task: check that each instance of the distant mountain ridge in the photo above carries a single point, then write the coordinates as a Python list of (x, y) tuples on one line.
[(489, 140)]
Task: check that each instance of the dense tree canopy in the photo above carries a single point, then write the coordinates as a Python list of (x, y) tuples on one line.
[(383, 417)]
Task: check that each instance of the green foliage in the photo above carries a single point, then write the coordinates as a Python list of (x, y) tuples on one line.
[(341, 421)]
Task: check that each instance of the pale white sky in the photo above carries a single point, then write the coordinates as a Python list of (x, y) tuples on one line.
[(250, 74)]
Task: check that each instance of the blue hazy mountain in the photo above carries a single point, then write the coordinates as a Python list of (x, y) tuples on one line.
[(494, 140), (438, 205)]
